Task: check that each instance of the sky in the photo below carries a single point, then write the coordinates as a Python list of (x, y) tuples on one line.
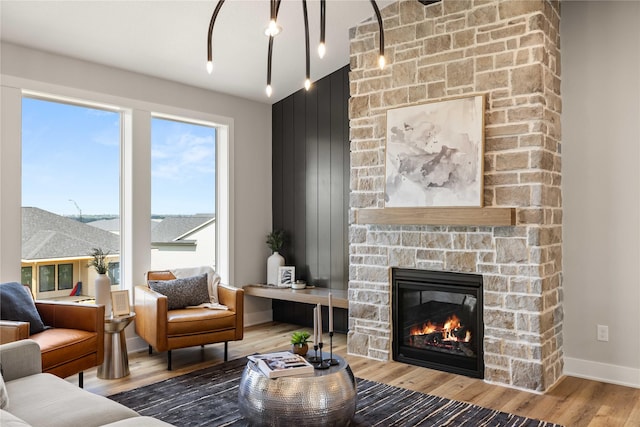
[(71, 161)]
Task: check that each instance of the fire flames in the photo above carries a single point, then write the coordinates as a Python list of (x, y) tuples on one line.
[(450, 331)]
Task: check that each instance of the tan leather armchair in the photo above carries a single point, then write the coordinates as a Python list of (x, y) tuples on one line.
[(74, 342), (168, 330)]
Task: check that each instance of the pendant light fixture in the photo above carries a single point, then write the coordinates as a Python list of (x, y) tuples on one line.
[(273, 29)]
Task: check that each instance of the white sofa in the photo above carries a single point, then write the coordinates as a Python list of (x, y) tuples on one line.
[(37, 399)]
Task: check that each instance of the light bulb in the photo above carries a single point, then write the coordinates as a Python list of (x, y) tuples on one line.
[(307, 84), (269, 91), (381, 62), (321, 50), (209, 67), (273, 29)]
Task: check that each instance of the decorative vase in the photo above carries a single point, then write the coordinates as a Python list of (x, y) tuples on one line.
[(103, 293), (274, 262), (301, 349)]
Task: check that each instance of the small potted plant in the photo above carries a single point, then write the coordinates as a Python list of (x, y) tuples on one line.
[(299, 340), (99, 260), (275, 240), (102, 283)]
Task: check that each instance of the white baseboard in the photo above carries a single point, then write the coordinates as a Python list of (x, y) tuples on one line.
[(614, 374), (258, 317)]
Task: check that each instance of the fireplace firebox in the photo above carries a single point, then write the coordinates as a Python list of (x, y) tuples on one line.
[(437, 320)]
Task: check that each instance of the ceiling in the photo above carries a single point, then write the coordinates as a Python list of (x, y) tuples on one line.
[(168, 39)]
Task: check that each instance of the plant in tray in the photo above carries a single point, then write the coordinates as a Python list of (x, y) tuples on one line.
[(299, 340)]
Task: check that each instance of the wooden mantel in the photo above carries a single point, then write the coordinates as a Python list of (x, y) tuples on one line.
[(468, 216)]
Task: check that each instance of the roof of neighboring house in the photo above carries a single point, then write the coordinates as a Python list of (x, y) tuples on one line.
[(47, 235), (112, 225), (175, 228)]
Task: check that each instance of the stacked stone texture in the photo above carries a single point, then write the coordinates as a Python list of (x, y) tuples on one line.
[(508, 51)]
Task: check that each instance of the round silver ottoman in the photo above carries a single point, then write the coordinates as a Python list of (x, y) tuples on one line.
[(328, 398)]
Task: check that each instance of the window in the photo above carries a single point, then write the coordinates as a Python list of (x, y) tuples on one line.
[(65, 276), (183, 196), (26, 275), (70, 191), (114, 273), (47, 278)]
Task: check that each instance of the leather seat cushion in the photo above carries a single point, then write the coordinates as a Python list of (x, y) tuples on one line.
[(196, 320), (59, 345)]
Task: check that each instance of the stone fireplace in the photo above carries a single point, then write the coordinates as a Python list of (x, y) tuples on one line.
[(508, 51)]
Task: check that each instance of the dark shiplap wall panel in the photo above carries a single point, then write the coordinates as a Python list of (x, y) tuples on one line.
[(311, 179)]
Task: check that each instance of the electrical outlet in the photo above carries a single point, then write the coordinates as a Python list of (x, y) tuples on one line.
[(603, 333)]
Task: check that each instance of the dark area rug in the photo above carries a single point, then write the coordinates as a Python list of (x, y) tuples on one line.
[(208, 397)]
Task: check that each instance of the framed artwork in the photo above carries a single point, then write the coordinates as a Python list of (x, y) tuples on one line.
[(120, 303), (435, 154), (286, 276)]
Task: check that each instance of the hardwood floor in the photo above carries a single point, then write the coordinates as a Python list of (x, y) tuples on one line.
[(572, 402)]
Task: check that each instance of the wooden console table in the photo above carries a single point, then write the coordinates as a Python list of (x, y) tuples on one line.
[(309, 296)]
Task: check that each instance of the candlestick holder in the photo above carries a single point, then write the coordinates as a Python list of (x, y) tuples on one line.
[(315, 359), (331, 361), (320, 363)]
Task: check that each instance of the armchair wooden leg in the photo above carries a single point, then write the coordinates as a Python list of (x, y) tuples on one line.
[(226, 347), (150, 350), (81, 379), (168, 360)]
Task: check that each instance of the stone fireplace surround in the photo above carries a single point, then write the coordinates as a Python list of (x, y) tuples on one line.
[(509, 51)]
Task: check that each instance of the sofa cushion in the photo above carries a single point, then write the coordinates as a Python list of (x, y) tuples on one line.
[(17, 304), (44, 400), (60, 345), (196, 320), (7, 419), (138, 422), (181, 293)]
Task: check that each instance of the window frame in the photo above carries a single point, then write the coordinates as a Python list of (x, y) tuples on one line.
[(135, 211)]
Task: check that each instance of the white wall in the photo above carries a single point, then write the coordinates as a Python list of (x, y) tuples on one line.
[(24, 68), (601, 188)]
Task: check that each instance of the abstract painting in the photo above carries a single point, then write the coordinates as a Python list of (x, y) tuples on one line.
[(434, 155)]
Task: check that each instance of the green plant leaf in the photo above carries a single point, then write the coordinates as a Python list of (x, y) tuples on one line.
[(300, 337)]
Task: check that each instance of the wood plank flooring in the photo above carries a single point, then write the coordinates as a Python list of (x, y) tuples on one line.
[(572, 402)]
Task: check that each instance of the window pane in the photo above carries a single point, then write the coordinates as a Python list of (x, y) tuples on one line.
[(70, 189), (65, 276), (47, 278), (183, 183), (114, 273), (26, 275)]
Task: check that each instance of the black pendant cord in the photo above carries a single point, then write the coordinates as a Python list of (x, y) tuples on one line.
[(377, 11), (275, 8), (269, 60), (323, 5), (210, 36), (306, 40)]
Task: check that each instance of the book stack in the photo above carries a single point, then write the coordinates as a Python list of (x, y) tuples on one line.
[(282, 364)]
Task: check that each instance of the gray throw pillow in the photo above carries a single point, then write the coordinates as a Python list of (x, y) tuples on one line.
[(17, 304), (183, 292)]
